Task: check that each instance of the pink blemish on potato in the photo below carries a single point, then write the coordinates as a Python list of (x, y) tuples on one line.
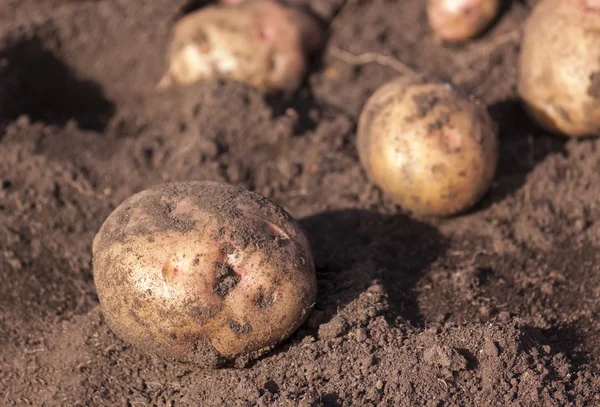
[(170, 269), (267, 33), (470, 14), (451, 141), (183, 207), (592, 4)]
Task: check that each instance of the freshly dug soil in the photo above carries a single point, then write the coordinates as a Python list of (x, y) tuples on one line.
[(497, 307)]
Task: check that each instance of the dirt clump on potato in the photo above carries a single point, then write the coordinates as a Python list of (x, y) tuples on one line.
[(261, 42), (428, 147), (559, 72), (203, 272), (460, 20)]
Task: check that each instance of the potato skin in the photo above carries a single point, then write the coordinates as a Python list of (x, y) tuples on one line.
[(460, 20), (260, 42), (203, 272), (559, 68), (432, 150)]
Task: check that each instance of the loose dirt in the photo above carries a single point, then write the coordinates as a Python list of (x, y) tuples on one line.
[(498, 306)]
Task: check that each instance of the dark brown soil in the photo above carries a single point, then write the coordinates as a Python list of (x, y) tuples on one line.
[(499, 306)]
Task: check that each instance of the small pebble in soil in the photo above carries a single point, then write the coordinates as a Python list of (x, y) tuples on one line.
[(361, 335), (445, 357), (490, 349), (504, 316), (334, 328)]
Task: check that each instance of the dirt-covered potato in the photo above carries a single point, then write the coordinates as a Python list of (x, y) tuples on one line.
[(559, 72), (261, 42), (203, 272), (460, 20), (428, 147)]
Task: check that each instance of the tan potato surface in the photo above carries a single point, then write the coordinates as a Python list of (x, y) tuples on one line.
[(429, 148), (261, 42), (203, 272), (460, 20), (559, 72)]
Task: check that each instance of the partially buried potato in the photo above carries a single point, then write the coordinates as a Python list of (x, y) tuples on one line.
[(431, 149), (559, 72), (460, 20), (261, 42), (203, 272)]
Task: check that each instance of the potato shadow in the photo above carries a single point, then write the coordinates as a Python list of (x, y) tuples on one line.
[(556, 340), (353, 248), (193, 5), (37, 83), (523, 146), (527, 3), (309, 111), (328, 400), (505, 6)]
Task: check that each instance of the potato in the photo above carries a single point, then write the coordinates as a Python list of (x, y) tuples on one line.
[(591, 4), (559, 68), (460, 20), (428, 147), (203, 272), (261, 42)]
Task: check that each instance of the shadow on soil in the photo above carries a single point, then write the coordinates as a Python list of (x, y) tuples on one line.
[(36, 83), (523, 146), (193, 5), (557, 340), (328, 400), (353, 248)]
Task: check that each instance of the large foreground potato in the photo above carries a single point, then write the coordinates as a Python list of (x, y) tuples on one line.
[(559, 74), (203, 272), (431, 149), (261, 42)]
